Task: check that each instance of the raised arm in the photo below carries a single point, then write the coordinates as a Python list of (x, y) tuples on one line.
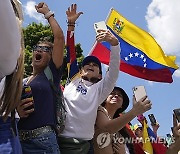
[(174, 148), (117, 124), (108, 82), (9, 39), (72, 16), (58, 49)]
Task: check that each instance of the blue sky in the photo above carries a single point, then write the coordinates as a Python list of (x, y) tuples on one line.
[(158, 17)]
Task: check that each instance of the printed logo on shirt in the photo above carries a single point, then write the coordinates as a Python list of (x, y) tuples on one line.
[(103, 140), (82, 90)]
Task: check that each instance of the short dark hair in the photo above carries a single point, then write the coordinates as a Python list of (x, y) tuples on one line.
[(46, 40)]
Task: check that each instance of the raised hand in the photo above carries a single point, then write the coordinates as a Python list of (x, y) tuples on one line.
[(72, 15), (42, 8), (142, 105), (106, 35), (174, 147), (176, 128)]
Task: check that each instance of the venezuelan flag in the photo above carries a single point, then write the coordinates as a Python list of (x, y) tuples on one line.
[(137, 147), (141, 56), (158, 146), (72, 66), (147, 146)]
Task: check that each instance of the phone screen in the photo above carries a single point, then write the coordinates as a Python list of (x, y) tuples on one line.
[(100, 25), (139, 92), (177, 114)]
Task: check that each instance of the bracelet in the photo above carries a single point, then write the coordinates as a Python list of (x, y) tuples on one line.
[(49, 14), (69, 23), (73, 25)]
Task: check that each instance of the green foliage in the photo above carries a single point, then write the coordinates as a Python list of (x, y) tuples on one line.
[(34, 33)]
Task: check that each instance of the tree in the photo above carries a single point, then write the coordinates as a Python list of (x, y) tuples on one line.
[(33, 33)]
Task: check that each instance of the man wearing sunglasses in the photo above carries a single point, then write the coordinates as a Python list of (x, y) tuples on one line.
[(37, 123), (40, 48)]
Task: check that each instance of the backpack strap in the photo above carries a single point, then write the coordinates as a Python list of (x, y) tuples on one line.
[(58, 92), (48, 74)]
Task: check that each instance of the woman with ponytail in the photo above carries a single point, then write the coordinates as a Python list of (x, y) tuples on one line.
[(11, 73)]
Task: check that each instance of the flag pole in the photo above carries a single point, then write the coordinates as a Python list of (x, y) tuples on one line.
[(94, 45), (109, 14)]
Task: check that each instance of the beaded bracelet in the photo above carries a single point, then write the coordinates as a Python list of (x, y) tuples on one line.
[(69, 23)]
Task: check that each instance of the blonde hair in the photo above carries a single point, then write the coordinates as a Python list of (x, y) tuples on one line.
[(13, 82)]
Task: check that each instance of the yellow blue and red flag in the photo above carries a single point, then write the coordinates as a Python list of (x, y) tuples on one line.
[(147, 146), (157, 144), (72, 66), (141, 56)]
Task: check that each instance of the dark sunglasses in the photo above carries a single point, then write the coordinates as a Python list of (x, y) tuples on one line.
[(42, 48)]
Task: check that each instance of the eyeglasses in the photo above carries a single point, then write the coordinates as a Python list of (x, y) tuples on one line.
[(42, 48)]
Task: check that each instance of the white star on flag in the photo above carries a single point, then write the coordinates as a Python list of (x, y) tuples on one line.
[(130, 55), (126, 59), (142, 56), (136, 54)]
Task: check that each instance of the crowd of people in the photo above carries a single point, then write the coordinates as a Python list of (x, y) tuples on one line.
[(87, 117)]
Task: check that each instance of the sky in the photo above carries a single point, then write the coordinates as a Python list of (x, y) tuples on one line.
[(161, 18)]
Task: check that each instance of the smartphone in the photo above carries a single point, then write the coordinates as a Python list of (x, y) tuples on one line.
[(172, 129), (152, 119), (100, 25), (139, 92), (177, 114), (27, 93)]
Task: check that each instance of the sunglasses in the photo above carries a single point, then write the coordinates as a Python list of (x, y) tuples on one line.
[(42, 48)]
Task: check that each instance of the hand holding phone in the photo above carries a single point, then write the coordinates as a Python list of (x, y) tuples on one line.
[(139, 92), (100, 26), (152, 119), (27, 93)]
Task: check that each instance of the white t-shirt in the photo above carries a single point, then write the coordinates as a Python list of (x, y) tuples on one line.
[(9, 39), (82, 99)]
